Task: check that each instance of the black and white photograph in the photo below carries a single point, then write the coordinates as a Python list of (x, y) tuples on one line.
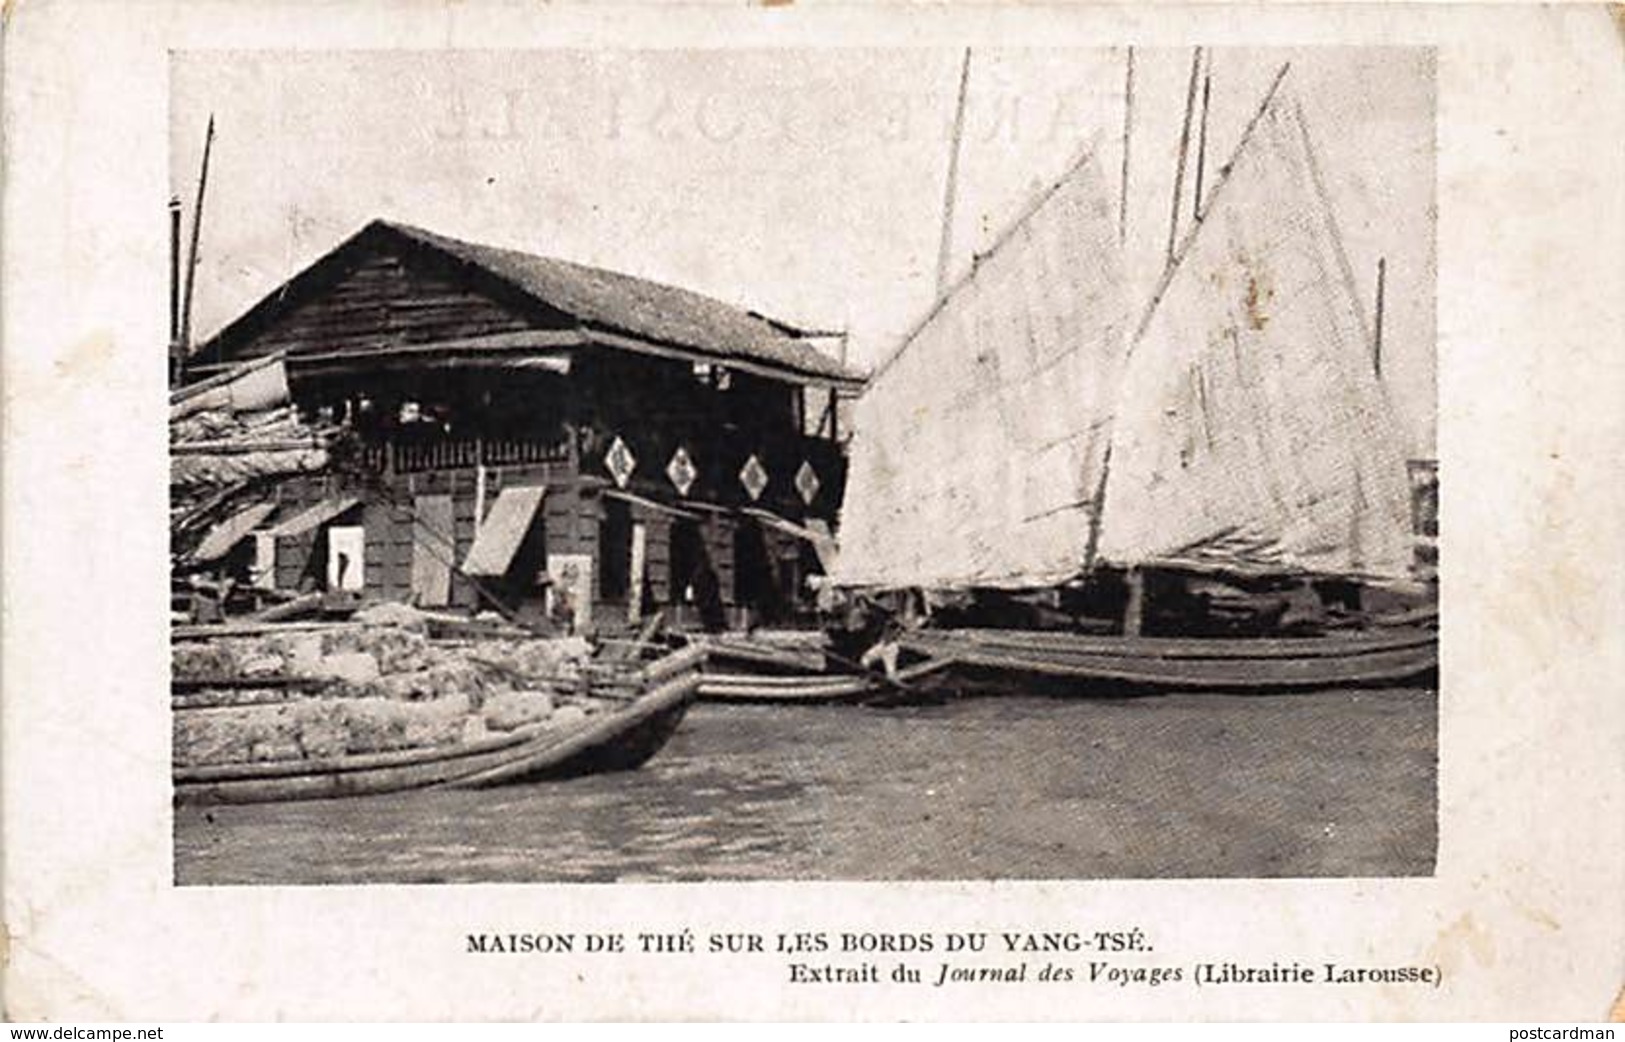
[(795, 512), (960, 463)]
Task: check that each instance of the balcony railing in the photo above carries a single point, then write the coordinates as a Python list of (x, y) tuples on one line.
[(406, 457)]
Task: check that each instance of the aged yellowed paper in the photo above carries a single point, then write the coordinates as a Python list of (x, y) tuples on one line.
[(1184, 438)]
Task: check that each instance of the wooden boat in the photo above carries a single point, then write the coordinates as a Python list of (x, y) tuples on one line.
[(1050, 425), (622, 739), (1393, 656), (815, 688), (804, 687), (788, 651)]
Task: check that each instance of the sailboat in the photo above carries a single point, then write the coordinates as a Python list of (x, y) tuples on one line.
[(1120, 477)]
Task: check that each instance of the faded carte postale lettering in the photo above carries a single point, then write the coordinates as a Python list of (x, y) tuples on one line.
[(921, 515)]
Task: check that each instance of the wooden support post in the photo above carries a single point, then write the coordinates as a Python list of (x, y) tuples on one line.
[(1134, 611), (639, 564), (479, 483)]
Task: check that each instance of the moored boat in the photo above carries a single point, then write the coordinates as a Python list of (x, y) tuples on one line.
[(803, 687), (814, 688), (1051, 431), (1241, 664), (652, 699)]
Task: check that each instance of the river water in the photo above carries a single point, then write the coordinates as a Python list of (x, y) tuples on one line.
[(1016, 787)]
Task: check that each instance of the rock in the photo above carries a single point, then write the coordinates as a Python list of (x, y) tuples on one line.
[(343, 640), (323, 729), (406, 687), (432, 731), (195, 660), (276, 749), (379, 725), (571, 715), (271, 732), (352, 667), (262, 666), (401, 653), (550, 658), (303, 653), (511, 710), (207, 737), (458, 678), (375, 725), (545, 660), (393, 613)]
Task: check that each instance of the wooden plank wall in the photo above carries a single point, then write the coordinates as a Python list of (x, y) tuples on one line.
[(387, 300), (656, 551), (718, 533), (389, 526), (459, 485), (572, 527)]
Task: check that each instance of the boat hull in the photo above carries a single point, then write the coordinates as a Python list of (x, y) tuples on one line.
[(622, 739), (1164, 663), (806, 688)]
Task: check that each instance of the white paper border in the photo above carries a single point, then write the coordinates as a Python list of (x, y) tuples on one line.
[(1526, 910)]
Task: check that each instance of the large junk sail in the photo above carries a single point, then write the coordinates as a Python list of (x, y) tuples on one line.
[(1251, 432), (978, 448), (1026, 433)]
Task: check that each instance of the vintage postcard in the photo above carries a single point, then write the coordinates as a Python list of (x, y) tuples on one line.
[(844, 512)]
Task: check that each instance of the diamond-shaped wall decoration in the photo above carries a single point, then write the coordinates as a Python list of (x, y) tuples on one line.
[(753, 476), (620, 462), (681, 471), (807, 483)]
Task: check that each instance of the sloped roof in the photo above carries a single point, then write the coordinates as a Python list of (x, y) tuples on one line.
[(597, 298)]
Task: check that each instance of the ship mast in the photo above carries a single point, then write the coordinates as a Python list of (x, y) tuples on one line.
[(1097, 513), (1128, 135), (1184, 151), (184, 341), (950, 185)]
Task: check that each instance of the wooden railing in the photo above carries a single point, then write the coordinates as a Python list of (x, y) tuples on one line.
[(453, 453)]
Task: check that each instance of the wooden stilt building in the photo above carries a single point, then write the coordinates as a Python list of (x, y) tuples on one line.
[(553, 440)]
